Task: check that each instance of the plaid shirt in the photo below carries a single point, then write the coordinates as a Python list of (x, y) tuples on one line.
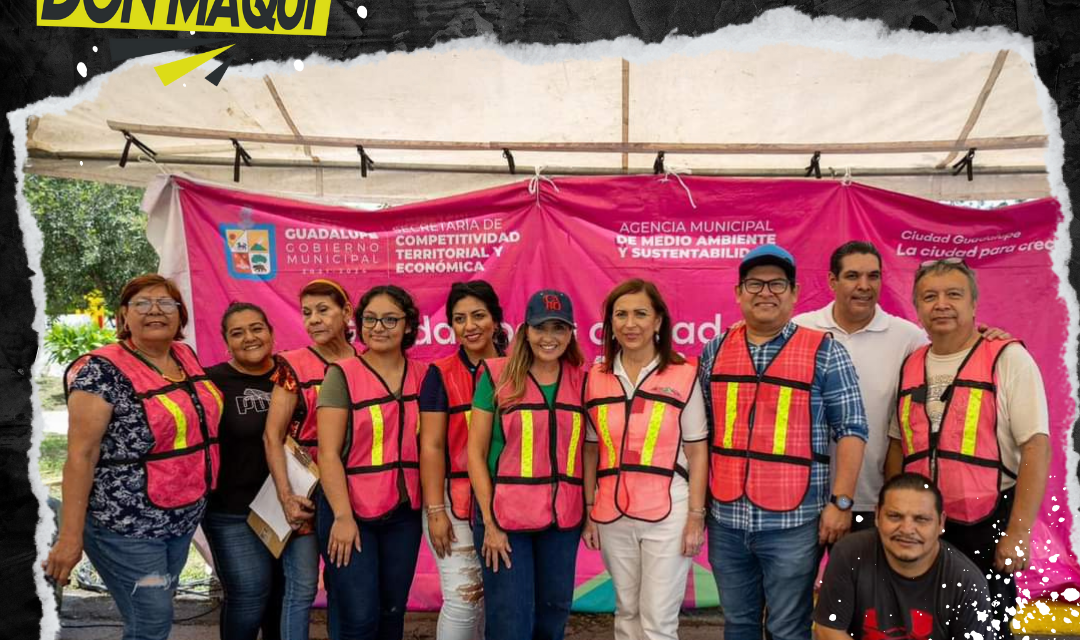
[(837, 409)]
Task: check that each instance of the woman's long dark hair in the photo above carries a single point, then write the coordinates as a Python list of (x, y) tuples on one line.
[(482, 291)]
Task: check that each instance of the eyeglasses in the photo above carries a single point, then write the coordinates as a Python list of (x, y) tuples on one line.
[(930, 263), (388, 322), (778, 286), (144, 305)]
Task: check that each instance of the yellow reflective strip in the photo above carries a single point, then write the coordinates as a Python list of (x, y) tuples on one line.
[(180, 440), (217, 395), (376, 434), (971, 422), (905, 423), (783, 403), (526, 444), (468, 419), (655, 419), (575, 433), (605, 434), (730, 413)]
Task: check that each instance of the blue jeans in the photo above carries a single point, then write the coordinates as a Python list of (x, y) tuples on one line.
[(248, 573), (530, 600), (774, 568), (366, 598), (300, 560), (141, 575)]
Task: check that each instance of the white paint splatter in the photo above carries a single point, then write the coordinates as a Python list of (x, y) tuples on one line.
[(361, 11), (858, 518), (1055, 508), (1070, 594), (1054, 557), (81, 68), (80, 163), (95, 48), (832, 617), (298, 65)]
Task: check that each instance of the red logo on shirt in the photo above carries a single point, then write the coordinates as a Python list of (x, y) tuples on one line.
[(922, 626)]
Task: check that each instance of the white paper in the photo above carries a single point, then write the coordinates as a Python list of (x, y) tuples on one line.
[(266, 504)]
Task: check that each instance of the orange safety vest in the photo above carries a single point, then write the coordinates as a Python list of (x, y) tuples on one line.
[(181, 466), (309, 368), (633, 477), (382, 447), (538, 480), (761, 444), (962, 457), (459, 383)]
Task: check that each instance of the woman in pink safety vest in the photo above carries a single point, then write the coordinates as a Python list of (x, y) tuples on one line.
[(524, 458), (474, 313), (326, 313), (646, 463), (368, 516), (142, 457)]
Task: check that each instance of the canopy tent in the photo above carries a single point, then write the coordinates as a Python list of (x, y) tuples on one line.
[(437, 123)]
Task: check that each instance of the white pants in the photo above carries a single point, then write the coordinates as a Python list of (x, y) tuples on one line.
[(462, 613), (648, 571)]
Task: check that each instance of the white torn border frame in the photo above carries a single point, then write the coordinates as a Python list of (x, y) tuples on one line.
[(860, 38)]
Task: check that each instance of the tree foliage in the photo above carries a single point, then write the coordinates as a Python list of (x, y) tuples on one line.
[(94, 238)]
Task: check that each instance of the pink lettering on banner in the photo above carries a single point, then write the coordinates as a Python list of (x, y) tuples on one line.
[(596, 232)]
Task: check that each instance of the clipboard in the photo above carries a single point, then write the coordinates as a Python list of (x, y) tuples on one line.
[(267, 517)]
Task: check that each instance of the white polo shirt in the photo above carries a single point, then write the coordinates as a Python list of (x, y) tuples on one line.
[(877, 351)]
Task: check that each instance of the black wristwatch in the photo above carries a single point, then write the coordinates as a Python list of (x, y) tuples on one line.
[(842, 503)]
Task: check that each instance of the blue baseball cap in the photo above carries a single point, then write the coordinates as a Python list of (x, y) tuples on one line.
[(768, 254), (548, 304)]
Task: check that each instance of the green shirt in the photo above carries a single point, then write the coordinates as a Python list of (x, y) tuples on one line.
[(484, 399)]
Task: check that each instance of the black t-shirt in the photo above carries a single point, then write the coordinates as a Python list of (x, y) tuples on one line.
[(243, 467), (861, 595)]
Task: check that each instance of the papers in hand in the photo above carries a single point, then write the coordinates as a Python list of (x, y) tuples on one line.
[(267, 517)]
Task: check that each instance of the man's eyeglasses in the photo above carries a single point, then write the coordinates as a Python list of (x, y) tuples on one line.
[(144, 305), (778, 286), (930, 263), (388, 322)]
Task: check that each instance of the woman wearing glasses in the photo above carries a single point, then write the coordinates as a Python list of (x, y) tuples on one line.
[(369, 512), (473, 310), (524, 451), (646, 463), (142, 457), (326, 311)]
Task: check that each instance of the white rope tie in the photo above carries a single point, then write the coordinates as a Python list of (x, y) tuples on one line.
[(846, 180), (534, 184), (674, 171)]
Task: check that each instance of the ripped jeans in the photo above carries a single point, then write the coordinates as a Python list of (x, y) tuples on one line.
[(462, 614), (141, 575)]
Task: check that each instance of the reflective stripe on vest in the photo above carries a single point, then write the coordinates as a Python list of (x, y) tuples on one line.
[(381, 456), (309, 369), (963, 457), (764, 451), (183, 417), (538, 478), (634, 477)]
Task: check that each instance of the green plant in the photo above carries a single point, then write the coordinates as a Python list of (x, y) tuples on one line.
[(66, 342)]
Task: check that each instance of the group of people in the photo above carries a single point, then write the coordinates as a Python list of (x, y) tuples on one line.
[(787, 434)]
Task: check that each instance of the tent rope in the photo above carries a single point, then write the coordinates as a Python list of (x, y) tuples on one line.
[(674, 171), (534, 183), (846, 180)]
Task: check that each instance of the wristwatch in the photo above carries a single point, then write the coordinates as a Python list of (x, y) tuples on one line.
[(843, 503)]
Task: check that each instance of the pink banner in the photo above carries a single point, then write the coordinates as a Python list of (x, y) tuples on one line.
[(585, 235)]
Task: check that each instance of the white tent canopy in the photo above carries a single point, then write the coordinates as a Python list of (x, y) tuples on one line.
[(437, 123)]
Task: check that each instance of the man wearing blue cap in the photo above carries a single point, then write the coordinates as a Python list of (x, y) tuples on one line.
[(777, 395)]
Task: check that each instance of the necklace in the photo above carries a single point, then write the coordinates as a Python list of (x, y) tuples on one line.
[(145, 357)]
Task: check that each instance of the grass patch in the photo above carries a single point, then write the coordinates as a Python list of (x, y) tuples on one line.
[(51, 393), (51, 462)]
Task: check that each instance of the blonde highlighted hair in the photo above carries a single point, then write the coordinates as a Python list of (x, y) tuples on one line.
[(510, 387)]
